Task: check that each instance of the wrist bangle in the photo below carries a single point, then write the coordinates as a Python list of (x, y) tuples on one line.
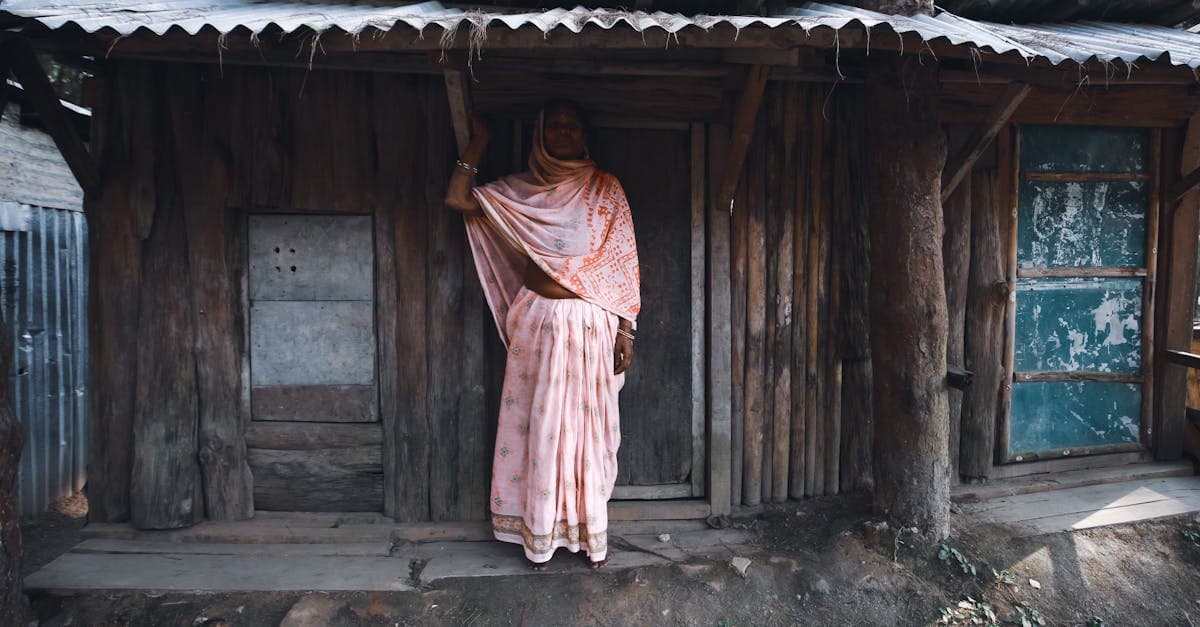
[(468, 167), (627, 334)]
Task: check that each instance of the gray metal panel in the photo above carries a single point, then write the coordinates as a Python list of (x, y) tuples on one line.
[(1080, 42), (310, 258), (43, 288), (312, 343)]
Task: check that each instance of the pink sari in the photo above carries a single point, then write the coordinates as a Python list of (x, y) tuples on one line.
[(559, 428)]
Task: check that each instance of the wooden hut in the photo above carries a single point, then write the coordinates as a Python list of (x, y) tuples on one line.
[(284, 316)]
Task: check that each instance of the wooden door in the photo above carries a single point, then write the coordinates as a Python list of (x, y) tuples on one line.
[(662, 411), (1086, 210)]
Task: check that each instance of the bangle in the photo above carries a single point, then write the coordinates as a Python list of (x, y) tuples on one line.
[(468, 167), (627, 334)]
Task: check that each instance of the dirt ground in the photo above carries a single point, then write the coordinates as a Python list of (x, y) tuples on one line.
[(823, 561)]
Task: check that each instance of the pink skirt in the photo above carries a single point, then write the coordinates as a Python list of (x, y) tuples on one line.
[(556, 442)]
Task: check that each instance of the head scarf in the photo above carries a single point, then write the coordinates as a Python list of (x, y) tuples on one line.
[(569, 218)]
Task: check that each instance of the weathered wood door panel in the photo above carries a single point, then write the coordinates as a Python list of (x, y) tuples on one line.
[(1085, 205), (657, 414), (312, 359)]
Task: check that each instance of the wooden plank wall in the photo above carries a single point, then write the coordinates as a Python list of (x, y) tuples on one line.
[(168, 295), (801, 363)]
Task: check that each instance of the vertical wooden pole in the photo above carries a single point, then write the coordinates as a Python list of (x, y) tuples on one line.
[(199, 120), (908, 297), (739, 223), (1148, 286), (855, 345), (987, 302), (756, 317), (831, 405), (798, 104), (1181, 223), (956, 253), (814, 470), (1009, 164), (785, 210), (699, 350), (771, 148), (721, 389)]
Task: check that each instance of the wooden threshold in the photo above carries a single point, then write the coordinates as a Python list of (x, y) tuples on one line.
[(1065, 464), (1060, 480)]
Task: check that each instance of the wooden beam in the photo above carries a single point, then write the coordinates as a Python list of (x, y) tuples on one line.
[(1181, 223), (40, 94), (1185, 186), (1001, 112), (743, 130), (458, 92)]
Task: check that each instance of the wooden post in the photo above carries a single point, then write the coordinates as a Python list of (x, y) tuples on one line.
[(755, 404), (198, 118), (956, 253), (41, 95), (814, 467), (853, 329), (12, 440), (798, 448), (1181, 223), (987, 301), (960, 166), (114, 288), (720, 383), (165, 485), (784, 211), (908, 297)]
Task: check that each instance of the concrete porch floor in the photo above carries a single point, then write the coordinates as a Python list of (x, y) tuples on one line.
[(331, 552)]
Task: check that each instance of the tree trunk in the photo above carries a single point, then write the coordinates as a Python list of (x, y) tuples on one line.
[(908, 317), (12, 439)]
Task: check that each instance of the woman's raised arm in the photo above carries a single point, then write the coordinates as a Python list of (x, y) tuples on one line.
[(458, 193)]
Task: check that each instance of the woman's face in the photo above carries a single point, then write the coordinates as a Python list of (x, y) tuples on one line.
[(563, 133)]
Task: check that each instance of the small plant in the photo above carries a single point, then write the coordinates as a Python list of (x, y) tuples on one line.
[(953, 557), (896, 544), (968, 612), (1192, 536), (1025, 616), (1096, 622), (1006, 577)]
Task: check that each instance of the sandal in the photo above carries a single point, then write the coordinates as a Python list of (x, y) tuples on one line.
[(539, 567)]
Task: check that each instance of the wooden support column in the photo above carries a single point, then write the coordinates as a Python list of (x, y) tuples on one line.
[(1181, 225), (908, 299), (743, 131), (165, 483), (987, 302), (41, 95), (200, 111), (459, 96), (960, 166), (720, 383), (956, 255)]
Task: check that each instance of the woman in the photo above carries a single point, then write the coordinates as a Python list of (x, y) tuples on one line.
[(557, 259)]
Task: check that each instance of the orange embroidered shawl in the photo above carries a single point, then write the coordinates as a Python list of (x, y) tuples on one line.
[(571, 219)]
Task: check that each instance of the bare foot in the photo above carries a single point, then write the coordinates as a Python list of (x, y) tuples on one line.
[(538, 567), (598, 565)]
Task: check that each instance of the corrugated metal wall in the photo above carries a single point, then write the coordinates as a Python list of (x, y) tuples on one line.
[(43, 295)]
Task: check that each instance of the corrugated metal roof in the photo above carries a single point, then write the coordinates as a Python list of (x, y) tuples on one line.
[(1056, 43)]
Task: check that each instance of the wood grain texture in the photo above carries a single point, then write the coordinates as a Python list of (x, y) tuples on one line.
[(114, 281), (983, 353), (199, 118), (797, 464), (307, 436), (956, 256), (739, 226), (755, 402), (165, 482), (782, 271), (724, 479), (854, 331), (401, 241), (318, 480), (908, 299)]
